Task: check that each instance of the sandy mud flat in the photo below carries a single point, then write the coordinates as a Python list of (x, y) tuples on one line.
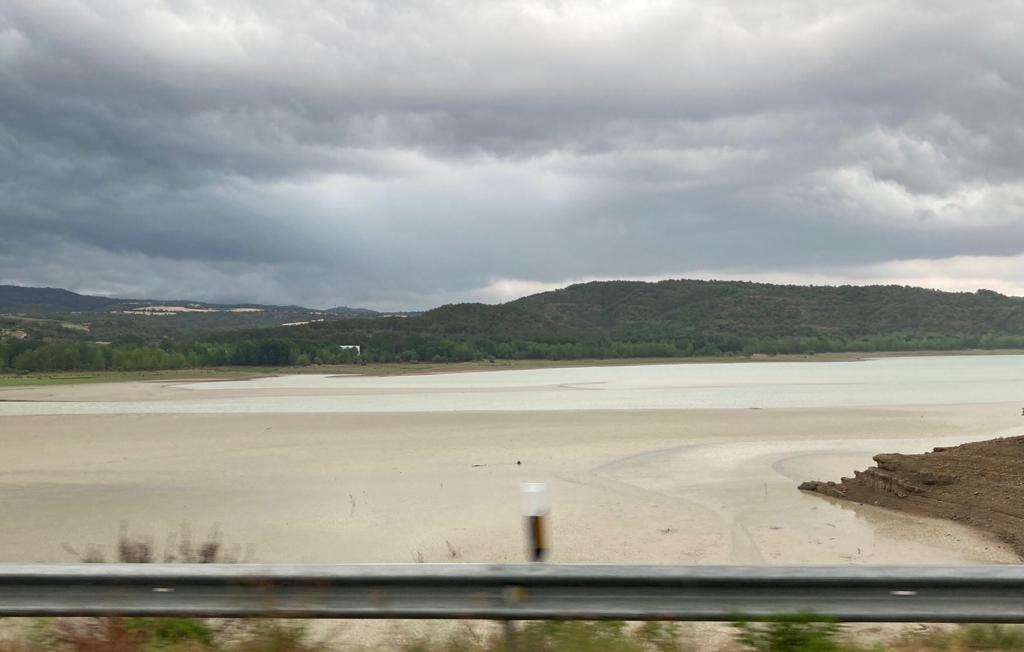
[(633, 486)]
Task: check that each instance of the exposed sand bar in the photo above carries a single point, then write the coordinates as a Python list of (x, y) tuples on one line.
[(670, 486)]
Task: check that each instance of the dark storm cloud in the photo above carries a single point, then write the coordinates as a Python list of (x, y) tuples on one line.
[(406, 153)]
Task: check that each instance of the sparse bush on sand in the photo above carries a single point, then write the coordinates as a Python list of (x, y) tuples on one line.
[(178, 548)]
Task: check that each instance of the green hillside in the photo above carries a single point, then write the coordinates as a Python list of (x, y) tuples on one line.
[(673, 308), (684, 317), (618, 319)]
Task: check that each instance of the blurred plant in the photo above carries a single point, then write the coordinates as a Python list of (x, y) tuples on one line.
[(790, 633), (992, 637), (1005, 638), (274, 636), (96, 635), (569, 636), (165, 632)]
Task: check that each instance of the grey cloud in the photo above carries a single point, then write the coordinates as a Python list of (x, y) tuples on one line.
[(392, 154)]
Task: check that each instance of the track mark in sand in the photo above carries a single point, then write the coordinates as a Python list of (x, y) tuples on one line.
[(741, 544), (643, 495), (732, 522)]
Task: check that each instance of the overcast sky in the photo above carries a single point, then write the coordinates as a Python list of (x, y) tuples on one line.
[(404, 154)]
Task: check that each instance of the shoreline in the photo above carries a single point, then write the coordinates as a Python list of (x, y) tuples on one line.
[(13, 380), (973, 483)]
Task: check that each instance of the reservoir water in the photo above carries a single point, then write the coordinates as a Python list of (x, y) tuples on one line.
[(931, 380)]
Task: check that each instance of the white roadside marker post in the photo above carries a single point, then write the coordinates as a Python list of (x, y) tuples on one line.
[(536, 507)]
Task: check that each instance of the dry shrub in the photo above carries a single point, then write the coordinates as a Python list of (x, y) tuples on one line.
[(96, 635), (179, 548)]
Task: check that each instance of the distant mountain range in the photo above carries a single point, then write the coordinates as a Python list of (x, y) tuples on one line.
[(54, 313), (44, 302), (608, 309)]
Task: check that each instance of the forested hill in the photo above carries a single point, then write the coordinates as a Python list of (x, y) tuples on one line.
[(672, 308), (684, 317), (632, 310)]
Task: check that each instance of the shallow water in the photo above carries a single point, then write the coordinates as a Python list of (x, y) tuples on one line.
[(932, 380)]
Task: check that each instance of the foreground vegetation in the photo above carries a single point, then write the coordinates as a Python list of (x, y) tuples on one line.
[(197, 635)]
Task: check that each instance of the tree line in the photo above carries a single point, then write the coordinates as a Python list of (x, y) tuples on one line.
[(256, 349), (134, 356)]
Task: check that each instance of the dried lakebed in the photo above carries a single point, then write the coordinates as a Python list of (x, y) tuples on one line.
[(645, 464)]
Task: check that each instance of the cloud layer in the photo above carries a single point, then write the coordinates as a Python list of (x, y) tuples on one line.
[(408, 153)]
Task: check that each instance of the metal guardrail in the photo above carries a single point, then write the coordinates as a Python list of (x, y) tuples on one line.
[(517, 592)]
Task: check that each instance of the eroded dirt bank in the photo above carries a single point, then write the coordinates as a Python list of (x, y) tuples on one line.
[(980, 484)]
